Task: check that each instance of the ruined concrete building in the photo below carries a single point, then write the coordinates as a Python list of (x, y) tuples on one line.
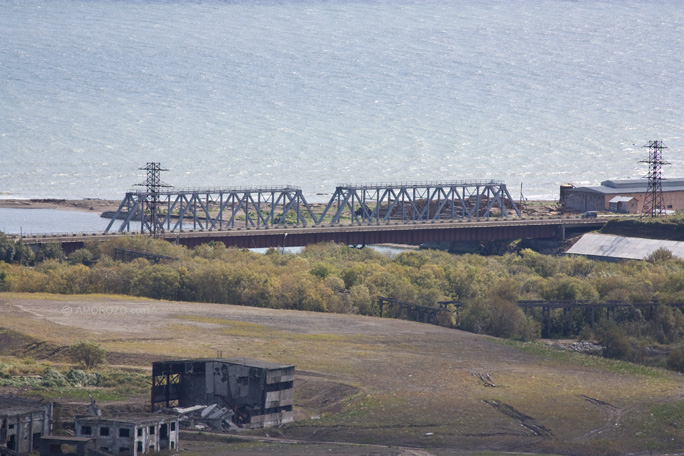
[(22, 423), (130, 435), (261, 394), (61, 445)]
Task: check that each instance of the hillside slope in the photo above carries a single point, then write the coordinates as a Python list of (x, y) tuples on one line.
[(385, 382)]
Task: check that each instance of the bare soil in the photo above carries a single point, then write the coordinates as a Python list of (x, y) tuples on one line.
[(375, 386)]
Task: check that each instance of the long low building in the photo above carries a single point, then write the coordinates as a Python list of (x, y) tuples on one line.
[(608, 247), (626, 196)]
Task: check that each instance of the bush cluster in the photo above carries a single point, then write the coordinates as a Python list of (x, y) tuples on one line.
[(50, 378)]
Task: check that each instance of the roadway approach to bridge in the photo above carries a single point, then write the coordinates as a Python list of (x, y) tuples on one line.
[(353, 234)]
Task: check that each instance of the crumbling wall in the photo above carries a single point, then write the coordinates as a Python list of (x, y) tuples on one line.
[(249, 388), (22, 427), (133, 436)]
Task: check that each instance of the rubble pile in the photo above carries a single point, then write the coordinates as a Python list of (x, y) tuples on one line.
[(582, 347), (206, 418)]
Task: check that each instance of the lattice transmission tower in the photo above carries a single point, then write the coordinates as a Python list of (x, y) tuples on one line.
[(654, 204), (152, 220)]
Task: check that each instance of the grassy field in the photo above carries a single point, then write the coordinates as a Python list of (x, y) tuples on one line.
[(364, 385)]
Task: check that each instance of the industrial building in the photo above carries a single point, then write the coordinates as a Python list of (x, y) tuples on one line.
[(130, 435), (260, 394), (22, 424), (626, 196)]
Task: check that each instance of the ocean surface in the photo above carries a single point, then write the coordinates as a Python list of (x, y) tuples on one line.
[(313, 93)]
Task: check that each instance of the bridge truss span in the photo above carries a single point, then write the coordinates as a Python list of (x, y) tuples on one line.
[(280, 207), (217, 209), (421, 202)]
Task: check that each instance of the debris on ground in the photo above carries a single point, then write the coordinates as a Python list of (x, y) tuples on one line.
[(207, 417), (485, 378), (581, 347)]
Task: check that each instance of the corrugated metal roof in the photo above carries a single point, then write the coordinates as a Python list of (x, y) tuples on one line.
[(620, 247), (630, 183), (632, 186)]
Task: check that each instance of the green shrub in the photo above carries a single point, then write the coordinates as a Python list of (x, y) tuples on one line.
[(81, 256), (53, 378), (675, 361), (660, 255), (77, 377), (88, 354), (616, 344)]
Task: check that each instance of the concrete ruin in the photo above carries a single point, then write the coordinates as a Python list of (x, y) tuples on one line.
[(61, 446), (22, 424), (130, 435), (260, 394)]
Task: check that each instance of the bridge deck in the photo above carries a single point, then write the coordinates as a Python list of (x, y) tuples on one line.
[(356, 234)]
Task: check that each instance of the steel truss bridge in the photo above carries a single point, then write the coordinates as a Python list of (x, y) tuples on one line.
[(178, 210)]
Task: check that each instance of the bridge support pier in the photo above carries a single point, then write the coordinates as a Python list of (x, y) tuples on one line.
[(560, 233)]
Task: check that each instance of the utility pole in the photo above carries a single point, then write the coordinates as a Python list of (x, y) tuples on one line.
[(151, 220), (654, 204)]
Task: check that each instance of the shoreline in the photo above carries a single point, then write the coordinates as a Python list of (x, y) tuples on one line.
[(533, 207), (81, 205)]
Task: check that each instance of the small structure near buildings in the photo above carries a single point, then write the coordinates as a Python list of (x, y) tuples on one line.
[(130, 435), (60, 445), (22, 424), (259, 394), (632, 195), (623, 205)]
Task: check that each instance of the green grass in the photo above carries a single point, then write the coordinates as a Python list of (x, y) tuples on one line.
[(54, 380), (670, 414), (585, 360)]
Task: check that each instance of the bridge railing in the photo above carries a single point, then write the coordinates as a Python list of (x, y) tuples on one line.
[(411, 184), (218, 190)]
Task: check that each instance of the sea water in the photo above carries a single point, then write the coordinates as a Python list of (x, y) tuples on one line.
[(318, 92), (41, 221)]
